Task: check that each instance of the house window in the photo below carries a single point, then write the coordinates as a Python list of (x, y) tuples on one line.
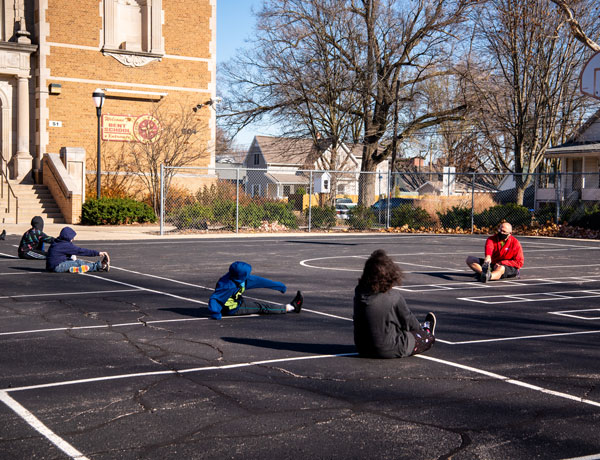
[(255, 190), (287, 189), (256, 159), (133, 25), (341, 188)]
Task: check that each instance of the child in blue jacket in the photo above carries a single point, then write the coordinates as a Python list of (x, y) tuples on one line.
[(59, 255), (228, 300)]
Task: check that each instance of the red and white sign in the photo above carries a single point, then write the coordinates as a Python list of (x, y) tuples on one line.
[(127, 128)]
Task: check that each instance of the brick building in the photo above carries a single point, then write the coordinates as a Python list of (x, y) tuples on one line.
[(141, 53)]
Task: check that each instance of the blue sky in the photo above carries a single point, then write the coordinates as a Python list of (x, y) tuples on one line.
[(236, 23)]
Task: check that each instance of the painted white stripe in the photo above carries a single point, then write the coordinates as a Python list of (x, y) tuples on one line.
[(522, 337), (168, 372), (511, 381), (299, 358), (106, 326), (168, 294), (97, 48), (37, 425), (112, 291), (132, 85), (8, 255), (536, 297), (161, 278), (587, 457)]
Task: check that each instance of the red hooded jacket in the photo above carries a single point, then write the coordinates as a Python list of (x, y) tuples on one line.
[(511, 254)]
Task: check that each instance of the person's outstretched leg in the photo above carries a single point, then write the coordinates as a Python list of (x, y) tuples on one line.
[(75, 266), (265, 308)]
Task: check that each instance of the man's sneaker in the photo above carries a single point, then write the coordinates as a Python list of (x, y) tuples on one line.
[(486, 277), (106, 263), (430, 322), (485, 268), (297, 302), (82, 269)]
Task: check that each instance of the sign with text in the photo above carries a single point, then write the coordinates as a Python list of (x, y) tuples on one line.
[(127, 128)]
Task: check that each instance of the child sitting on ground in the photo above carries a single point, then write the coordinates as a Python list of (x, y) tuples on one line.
[(59, 256), (33, 241), (228, 300), (384, 327)]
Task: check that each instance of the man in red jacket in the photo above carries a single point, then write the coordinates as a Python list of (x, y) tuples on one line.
[(503, 256)]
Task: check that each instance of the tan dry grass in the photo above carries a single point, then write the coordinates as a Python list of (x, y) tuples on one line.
[(439, 203)]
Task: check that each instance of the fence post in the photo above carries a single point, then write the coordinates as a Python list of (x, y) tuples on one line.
[(472, 202), (310, 188), (237, 199), (162, 199), (389, 195), (558, 186)]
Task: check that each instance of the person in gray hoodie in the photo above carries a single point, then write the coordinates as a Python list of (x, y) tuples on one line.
[(384, 327), (60, 254)]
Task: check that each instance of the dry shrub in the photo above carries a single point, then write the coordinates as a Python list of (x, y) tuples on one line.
[(441, 203)]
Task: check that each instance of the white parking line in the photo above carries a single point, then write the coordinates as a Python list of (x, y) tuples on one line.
[(535, 297), (521, 337), (62, 294), (37, 425)]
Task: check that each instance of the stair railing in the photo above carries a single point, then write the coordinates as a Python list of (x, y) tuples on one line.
[(9, 190)]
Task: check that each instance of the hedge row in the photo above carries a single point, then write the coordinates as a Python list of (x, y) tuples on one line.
[(222, 213), (116, 211)]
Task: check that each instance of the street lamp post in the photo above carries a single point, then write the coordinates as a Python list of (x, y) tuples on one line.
[(98, 97)]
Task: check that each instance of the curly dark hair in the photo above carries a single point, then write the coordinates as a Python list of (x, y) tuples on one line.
[(380, 273)]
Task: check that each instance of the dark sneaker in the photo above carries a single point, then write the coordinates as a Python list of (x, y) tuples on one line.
[(3, 235), (106, 263), (485, 278), (297, 302), (485, 268), (430, 322)]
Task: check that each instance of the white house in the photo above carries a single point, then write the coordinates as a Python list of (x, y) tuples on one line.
[(580, 166), (277, 167)]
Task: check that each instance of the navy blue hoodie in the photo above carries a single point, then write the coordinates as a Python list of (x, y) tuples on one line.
[(230, 287), (62, 249)]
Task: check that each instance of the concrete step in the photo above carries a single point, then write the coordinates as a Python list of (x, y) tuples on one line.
[(34, 200)]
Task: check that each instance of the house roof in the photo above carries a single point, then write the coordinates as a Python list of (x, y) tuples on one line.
[(298, 152), (284, 150), (573, 149), (576, 146), (282, 178)]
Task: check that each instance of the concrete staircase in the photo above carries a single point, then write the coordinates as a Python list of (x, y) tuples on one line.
[(34, 200)]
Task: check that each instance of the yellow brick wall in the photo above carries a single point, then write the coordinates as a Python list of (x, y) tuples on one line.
[(188, 82)]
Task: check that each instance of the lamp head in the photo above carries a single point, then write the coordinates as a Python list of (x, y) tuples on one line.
[(98, 96)]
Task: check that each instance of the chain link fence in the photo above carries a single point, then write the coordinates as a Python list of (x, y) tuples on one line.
[(229, 198)]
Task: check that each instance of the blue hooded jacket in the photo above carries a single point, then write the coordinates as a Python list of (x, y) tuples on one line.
[(62, 249), (230, 287)]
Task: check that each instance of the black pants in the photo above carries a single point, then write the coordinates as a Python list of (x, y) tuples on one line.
[(37, 254), (253, 307), (424, 340)]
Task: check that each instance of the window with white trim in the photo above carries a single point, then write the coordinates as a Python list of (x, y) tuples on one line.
[(134, 26)]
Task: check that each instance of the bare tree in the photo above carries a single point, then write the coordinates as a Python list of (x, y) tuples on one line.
[(343, 68), (525, 81), (179, 142), (576, 28)]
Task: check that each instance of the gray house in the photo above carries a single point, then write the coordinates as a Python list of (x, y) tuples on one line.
[(277, 167)]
